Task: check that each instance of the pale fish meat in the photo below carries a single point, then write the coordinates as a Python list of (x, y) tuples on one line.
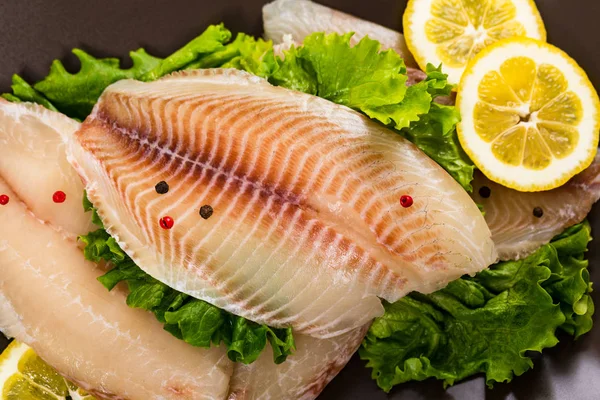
[(33, 151), (303, 376), (300, 18), (306, 227), (521, 222), (50, 298)]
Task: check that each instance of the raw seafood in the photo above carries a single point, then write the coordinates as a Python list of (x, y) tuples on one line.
[(300, 18), (49, 296), (308, 229), (33, 151), (516, 230), (50, 299), (303, 376)]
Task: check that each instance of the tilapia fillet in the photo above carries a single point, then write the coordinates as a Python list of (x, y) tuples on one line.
[(307, 230), (303, 376), (516, 231), (300, 18)]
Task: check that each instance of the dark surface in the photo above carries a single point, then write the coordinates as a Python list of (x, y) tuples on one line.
[(34, 32)]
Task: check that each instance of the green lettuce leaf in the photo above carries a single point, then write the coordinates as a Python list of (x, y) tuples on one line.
[(210, 41), (435, 134), (22, 91), (486, 324), (359, 77), (195, 321), (76, 94), (246, 53)]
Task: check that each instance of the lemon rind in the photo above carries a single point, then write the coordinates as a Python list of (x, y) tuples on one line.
[(495, 174), (9, 361)]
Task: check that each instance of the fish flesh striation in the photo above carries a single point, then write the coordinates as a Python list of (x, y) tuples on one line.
[(307, 231), (516, 231), (33, 151), (300, 18), (303, 376)]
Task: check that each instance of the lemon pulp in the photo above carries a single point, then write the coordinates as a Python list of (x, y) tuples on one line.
[(30, 378), (530, 115), (462, 28), (527, 114)]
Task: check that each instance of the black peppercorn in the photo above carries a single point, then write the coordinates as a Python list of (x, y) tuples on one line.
[(485, 192), (206, 211), (538, 212), (162, 187)]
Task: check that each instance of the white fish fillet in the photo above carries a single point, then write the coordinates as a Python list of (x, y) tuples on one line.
[(300, 18), (509, 213), (303, 376), (50, 298), (33, 151), (307, 230)]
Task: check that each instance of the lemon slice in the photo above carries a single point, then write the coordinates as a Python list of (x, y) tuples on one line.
[(530, 116), (24, 376), (451, 32)]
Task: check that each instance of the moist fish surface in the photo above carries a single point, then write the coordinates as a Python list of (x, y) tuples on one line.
[(307, 228), (303, 376), (300, 18), (50, 298), (521, 222), (33, 151)]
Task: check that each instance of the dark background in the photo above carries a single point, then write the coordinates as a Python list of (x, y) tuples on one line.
[(34, 32)]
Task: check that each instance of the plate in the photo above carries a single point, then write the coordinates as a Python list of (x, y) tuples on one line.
[(34, 32)]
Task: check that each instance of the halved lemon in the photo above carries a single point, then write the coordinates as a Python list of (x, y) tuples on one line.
[(25, 376), (530, 116), (451, 32)]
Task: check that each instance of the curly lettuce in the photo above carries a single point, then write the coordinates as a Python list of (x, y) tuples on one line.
[(486, 324)]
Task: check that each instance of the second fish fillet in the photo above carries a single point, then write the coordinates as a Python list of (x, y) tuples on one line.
[(521, 222)]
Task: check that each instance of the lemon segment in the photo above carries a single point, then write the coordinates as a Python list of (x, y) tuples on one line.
[(25, 376), (451, 32), (530, 116)]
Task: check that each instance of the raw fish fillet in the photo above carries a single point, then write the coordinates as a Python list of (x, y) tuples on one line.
[(300, 18), (303, 376), (509, 213), (50, 298), (33, 151), (307, 231)]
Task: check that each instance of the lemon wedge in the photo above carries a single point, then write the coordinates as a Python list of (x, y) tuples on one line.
[(451, 32), (25, 376), (530, 116)]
